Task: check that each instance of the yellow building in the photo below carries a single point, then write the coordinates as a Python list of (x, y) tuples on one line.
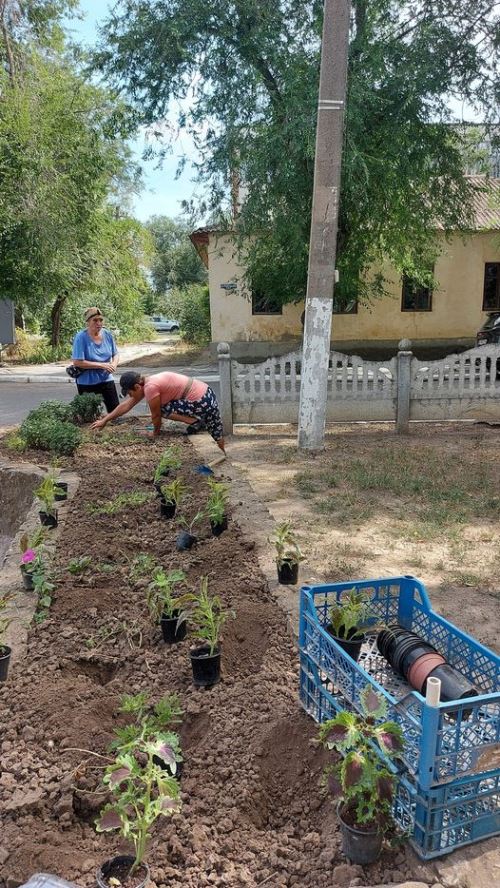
[(466, 287)]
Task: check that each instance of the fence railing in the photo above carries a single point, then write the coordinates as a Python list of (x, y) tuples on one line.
[(460, 386)]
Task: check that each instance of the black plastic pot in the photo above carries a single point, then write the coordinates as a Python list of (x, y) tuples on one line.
[(349, 645), (206, 666), (27, 580), (185, 540), (359, 845), (167, 510), (401, 647), (60, 497), (454, 685), (5, 653), (119, 868), (288, 573), (172, 630), (218, 527), (48, 520)]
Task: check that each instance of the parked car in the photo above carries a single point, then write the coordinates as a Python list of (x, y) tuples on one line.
[(489, 334), (164, 325)]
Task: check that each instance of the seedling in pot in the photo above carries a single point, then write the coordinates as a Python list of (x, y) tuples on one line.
[(172, 495), (166, 606), (5, 650), (348, 620), (216, 506), (170, 460), (31, 547), (142, 791), (46, 494), (362, 782), (288, 554), (207, 617), (185, 538)]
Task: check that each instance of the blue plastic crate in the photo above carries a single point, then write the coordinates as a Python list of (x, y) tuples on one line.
[(442, 743), (450, 816)]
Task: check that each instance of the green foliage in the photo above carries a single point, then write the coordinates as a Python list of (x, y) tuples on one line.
[(285, 543), (170, 460), (46, 493), (208, 616), (45, 433), (162, 599), (142, 791), (174, 492), (216, 505), (121, 502), (142, 565), (85, 408), (361, 779), (351, 615), (175, 262), (79, 565), (191, 307), (402, 164)]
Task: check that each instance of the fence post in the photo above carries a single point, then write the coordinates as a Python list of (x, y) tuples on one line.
[(403, 387), (226, 395)]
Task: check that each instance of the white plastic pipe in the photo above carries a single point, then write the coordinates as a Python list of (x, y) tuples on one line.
[(433, 691)]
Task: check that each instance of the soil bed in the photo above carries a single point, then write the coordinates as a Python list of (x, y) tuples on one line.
[(252, 808)]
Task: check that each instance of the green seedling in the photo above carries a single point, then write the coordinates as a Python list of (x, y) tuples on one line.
[(208, 616), (162, 599)]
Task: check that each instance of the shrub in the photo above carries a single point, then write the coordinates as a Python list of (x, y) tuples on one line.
[(85, 408), (43, 432), (191, 307), (53, 410)]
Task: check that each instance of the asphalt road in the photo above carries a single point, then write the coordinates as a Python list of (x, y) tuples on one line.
[(17, 399)]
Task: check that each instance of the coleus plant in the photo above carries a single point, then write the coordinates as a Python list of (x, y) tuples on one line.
[(142, 791), (149, 723), (350, 617), (361, 780)]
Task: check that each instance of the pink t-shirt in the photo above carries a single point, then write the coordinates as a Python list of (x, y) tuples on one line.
[(171, 386)]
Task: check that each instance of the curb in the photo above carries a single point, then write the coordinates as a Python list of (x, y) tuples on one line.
[(26, 379)]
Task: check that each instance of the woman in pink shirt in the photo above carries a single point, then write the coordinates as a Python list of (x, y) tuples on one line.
[(172, 395)]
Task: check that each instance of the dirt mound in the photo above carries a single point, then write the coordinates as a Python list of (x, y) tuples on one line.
[(252, 808)]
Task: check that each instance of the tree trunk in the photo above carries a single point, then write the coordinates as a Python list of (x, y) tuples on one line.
[(55, 320)]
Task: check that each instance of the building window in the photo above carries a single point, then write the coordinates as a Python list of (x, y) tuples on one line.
[(491, 291), (415, 296), (262, 304)]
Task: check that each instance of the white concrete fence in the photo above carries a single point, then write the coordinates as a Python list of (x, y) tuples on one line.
[(464, 386)]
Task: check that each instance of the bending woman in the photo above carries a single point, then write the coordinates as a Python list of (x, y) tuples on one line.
[(95, 352), (173, 396)]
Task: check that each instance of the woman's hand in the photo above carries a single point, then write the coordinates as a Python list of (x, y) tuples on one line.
[(108, 368), (99, 424)]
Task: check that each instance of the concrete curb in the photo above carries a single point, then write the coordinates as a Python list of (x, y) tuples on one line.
[(26, 379)]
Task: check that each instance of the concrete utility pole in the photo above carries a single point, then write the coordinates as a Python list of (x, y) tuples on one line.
[(324, 223)]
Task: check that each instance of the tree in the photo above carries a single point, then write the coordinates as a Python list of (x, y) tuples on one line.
[(250, 70), (175, 262)]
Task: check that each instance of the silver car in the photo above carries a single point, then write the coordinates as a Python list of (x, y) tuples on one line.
[(164, 325)]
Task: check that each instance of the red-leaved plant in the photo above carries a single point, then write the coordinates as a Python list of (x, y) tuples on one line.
[(142, 792), (361, 780)]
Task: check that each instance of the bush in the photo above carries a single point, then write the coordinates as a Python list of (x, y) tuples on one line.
[(54, 410), (191, 307), (44, 432), (85, 408)]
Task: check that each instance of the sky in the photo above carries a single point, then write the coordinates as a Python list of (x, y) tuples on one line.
[(162, 192)]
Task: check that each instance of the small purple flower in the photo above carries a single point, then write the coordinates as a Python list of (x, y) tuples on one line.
[(28, 556)]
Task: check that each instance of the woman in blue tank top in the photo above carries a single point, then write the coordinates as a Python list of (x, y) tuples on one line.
[(95, 353)]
